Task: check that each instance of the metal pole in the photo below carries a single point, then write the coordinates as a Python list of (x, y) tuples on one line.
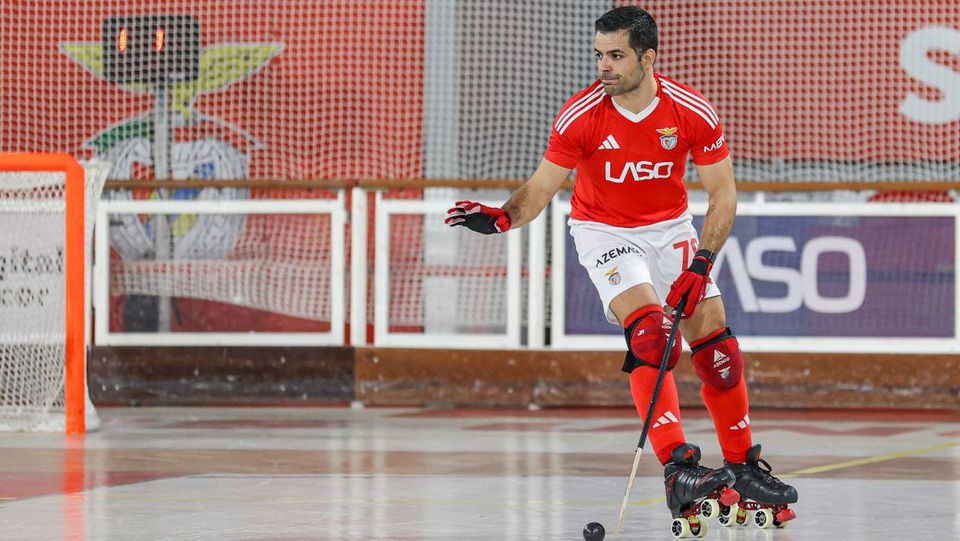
[(163, 248)]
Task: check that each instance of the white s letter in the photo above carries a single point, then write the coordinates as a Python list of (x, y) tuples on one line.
[(793, 300), (913, 60)]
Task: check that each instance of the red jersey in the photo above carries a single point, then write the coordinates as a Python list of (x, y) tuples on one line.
[(630, 166)]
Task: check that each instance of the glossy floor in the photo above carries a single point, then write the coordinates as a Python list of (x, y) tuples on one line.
[(414, 474)]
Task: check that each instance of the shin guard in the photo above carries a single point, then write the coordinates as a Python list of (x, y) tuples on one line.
[(719, 364), (717, 359), (646, 332)]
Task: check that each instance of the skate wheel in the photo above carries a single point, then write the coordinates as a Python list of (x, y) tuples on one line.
[(709, 508), (763, 518), (727, 515), (698, 529), (680, 528)]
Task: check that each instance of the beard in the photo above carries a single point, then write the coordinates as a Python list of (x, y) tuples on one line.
[(624, 86)]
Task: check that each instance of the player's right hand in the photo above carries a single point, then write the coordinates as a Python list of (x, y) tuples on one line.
[(480, 218), (692, 283)]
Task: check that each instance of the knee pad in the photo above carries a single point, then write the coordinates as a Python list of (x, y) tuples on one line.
[(717, 359), (646, 337)]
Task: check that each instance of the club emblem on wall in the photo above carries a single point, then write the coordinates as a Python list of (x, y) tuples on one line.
[(201, 147)]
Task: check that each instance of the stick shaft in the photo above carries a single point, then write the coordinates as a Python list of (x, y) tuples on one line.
[(626, 494)]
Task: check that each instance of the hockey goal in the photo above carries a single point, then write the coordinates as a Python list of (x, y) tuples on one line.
[(46, 203)]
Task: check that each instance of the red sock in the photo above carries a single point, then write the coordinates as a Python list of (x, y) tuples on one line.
[(665, 432), (730, 410)]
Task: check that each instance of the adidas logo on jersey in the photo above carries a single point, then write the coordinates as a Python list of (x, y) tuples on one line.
[(665, 419), (609, 144), (744, 423)]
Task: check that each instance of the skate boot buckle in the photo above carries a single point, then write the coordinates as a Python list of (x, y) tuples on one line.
[(785, 514), (729, 496)]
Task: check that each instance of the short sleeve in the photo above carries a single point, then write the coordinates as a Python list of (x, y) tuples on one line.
[(708, 145), (562, 151)]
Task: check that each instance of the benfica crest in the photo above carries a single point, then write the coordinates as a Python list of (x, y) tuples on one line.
[(668, 138), (613, 276), (202, 147)]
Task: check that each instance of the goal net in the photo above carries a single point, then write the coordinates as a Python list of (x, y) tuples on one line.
[(808, 90), (46, 224)]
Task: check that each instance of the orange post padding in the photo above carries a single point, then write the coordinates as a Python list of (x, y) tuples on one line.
[(74, 271)]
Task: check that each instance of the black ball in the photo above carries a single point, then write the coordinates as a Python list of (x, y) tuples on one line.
[(594, 532)]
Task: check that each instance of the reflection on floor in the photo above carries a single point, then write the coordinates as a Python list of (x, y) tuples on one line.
[(422, 474)]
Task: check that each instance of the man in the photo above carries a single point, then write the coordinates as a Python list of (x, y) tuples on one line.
[(628, 135)]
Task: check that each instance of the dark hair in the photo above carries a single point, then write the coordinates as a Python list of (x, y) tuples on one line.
[(640, 25)]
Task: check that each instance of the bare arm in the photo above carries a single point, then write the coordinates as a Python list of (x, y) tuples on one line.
[(719, 183), (529, 200)]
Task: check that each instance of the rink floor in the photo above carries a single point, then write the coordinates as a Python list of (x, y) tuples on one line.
[(423, 474)]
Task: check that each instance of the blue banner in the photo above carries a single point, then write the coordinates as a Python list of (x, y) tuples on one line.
[(809, 276)]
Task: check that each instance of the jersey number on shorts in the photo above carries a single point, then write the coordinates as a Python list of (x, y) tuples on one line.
[(688, 247)]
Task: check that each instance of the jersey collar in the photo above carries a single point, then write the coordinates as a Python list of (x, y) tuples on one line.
[(637, 117)]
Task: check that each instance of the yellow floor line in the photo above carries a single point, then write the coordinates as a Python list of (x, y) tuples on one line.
[(838, 466), (649, 501), (871, 460)]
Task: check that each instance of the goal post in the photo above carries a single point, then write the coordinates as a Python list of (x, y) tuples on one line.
[(45, 231)]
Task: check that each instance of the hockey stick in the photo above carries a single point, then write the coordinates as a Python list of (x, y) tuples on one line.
[(653, 402)]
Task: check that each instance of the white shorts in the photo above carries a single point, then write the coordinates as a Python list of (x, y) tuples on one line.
[(618, 258)]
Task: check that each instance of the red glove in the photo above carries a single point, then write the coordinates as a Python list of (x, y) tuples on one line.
[(480, 218), (692, 283)]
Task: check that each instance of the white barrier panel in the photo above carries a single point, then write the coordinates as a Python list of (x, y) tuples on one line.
[(240, 270), (450, 276)]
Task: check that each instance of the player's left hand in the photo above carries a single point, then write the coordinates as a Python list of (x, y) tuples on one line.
[(480, 218), (692, 283)]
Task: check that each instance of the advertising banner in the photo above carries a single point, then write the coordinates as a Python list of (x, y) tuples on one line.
[(818, 276)]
